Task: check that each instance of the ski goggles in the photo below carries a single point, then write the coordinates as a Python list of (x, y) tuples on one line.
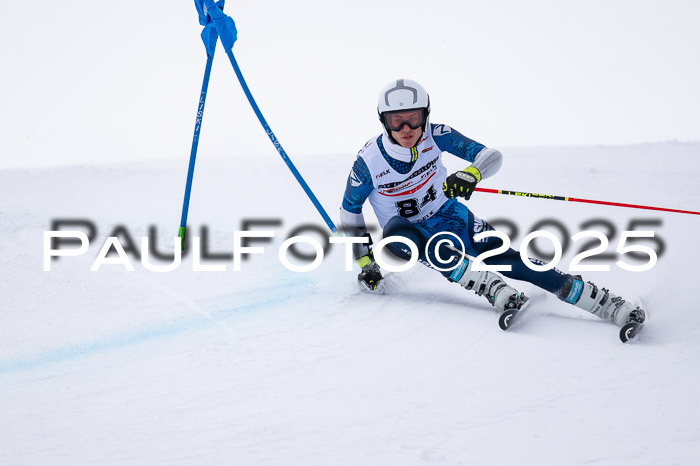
[(394, 121)]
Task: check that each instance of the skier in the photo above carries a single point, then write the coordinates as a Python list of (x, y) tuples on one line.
[(401, 173)]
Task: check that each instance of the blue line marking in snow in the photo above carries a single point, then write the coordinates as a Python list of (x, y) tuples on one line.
[(69, 352)]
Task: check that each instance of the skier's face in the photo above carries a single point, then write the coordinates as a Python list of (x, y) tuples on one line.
[(407, 137)]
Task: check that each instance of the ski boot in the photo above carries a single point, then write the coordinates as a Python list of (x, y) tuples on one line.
[(503, 297), (600, 302)]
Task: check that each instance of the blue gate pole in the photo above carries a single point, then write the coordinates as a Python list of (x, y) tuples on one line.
[(278, 146), (209, 37), (226, 29), (193, 151)]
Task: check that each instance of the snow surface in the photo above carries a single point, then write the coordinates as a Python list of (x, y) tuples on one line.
[(267, 366)]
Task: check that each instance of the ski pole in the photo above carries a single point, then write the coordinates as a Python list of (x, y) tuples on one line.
[(227, 32), (574, 199), (209, 37)]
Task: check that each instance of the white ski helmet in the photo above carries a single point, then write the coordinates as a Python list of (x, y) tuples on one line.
[(400, 95)]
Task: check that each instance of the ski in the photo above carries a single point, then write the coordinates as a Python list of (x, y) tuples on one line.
[(510, 316)]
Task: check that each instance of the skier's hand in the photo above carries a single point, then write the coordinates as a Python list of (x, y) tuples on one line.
[(370, 278), (462, 183)]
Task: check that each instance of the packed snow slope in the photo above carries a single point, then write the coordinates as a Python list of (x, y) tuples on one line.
[(269, 366)]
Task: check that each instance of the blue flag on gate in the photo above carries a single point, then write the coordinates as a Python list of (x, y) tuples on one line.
[(209, 33), (211, 13)]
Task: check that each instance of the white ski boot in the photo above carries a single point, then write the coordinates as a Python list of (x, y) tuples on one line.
[(602, 303), (490, 285)]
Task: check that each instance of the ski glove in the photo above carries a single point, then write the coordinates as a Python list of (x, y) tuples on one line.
[(462, 183), (370, 279)]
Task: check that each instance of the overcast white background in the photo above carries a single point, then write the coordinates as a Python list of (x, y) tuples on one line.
[(113, 81)]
